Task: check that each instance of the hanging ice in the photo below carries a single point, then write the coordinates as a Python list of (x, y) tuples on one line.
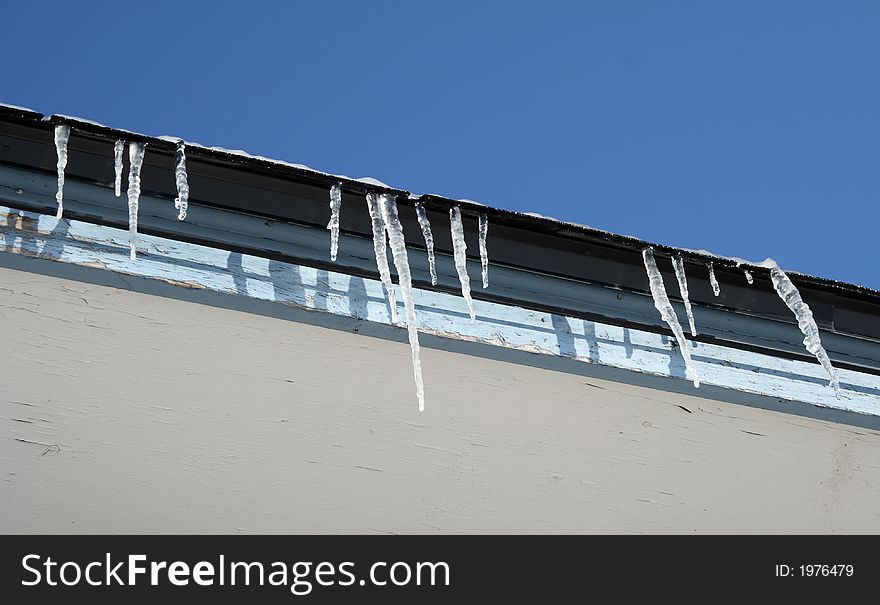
[(789, 293), (118, 150), (333, 225), (181, 202), (678, 265), (136, 156), (429, 239), (667, 312), (748, 275), (388, 209), (379, 246), (484, 253), (62, 135), (716, 289), (459, 249)]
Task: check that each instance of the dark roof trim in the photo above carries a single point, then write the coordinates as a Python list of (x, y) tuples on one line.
[(279, 191), (535, 223)]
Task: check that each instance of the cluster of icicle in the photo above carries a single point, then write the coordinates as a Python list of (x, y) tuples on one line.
[(781, 283), (136, 152), (388, 231), (380, 247), (383, 212), (667, 312), (382, 207)]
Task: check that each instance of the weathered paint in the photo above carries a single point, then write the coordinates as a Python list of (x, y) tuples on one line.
[(125, 412), (440, 314), (309, 246)]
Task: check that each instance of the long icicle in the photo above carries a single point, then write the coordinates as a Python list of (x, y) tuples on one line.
[(136, 156), (62, 136), (422, 216), (484, 252), (388, 208), (667, 312), (118, 152), (333, 225), (181, 202), (380, 248), (681, 277), (792, 298), (459, 249)]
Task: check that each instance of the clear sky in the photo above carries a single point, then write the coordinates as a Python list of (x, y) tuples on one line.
[(748, 128)]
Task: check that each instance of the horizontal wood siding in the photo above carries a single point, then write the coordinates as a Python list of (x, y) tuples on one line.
[(126, 412)]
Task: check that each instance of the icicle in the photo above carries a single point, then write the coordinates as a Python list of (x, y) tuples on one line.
[(429, 239), (749, 277), (388, 208), (789, 293), (62, 135), (716, 289), (333, 225), (484, 253), (681, 276), (459, 248), (379, 246), (118, 150), (667, 312), (136, 156), (181, 202)]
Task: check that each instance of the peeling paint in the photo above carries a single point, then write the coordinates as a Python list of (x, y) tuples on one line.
[(199, 267)]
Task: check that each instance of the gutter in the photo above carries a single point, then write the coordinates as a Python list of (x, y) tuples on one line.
[(562, 255)]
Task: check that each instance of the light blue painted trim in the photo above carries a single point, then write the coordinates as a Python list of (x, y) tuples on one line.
[(439, 314), (224, 228)]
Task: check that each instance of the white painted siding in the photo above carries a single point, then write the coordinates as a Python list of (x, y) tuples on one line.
[(124, 412)]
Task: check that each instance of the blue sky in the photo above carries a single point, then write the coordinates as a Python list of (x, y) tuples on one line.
[(747, 128)]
